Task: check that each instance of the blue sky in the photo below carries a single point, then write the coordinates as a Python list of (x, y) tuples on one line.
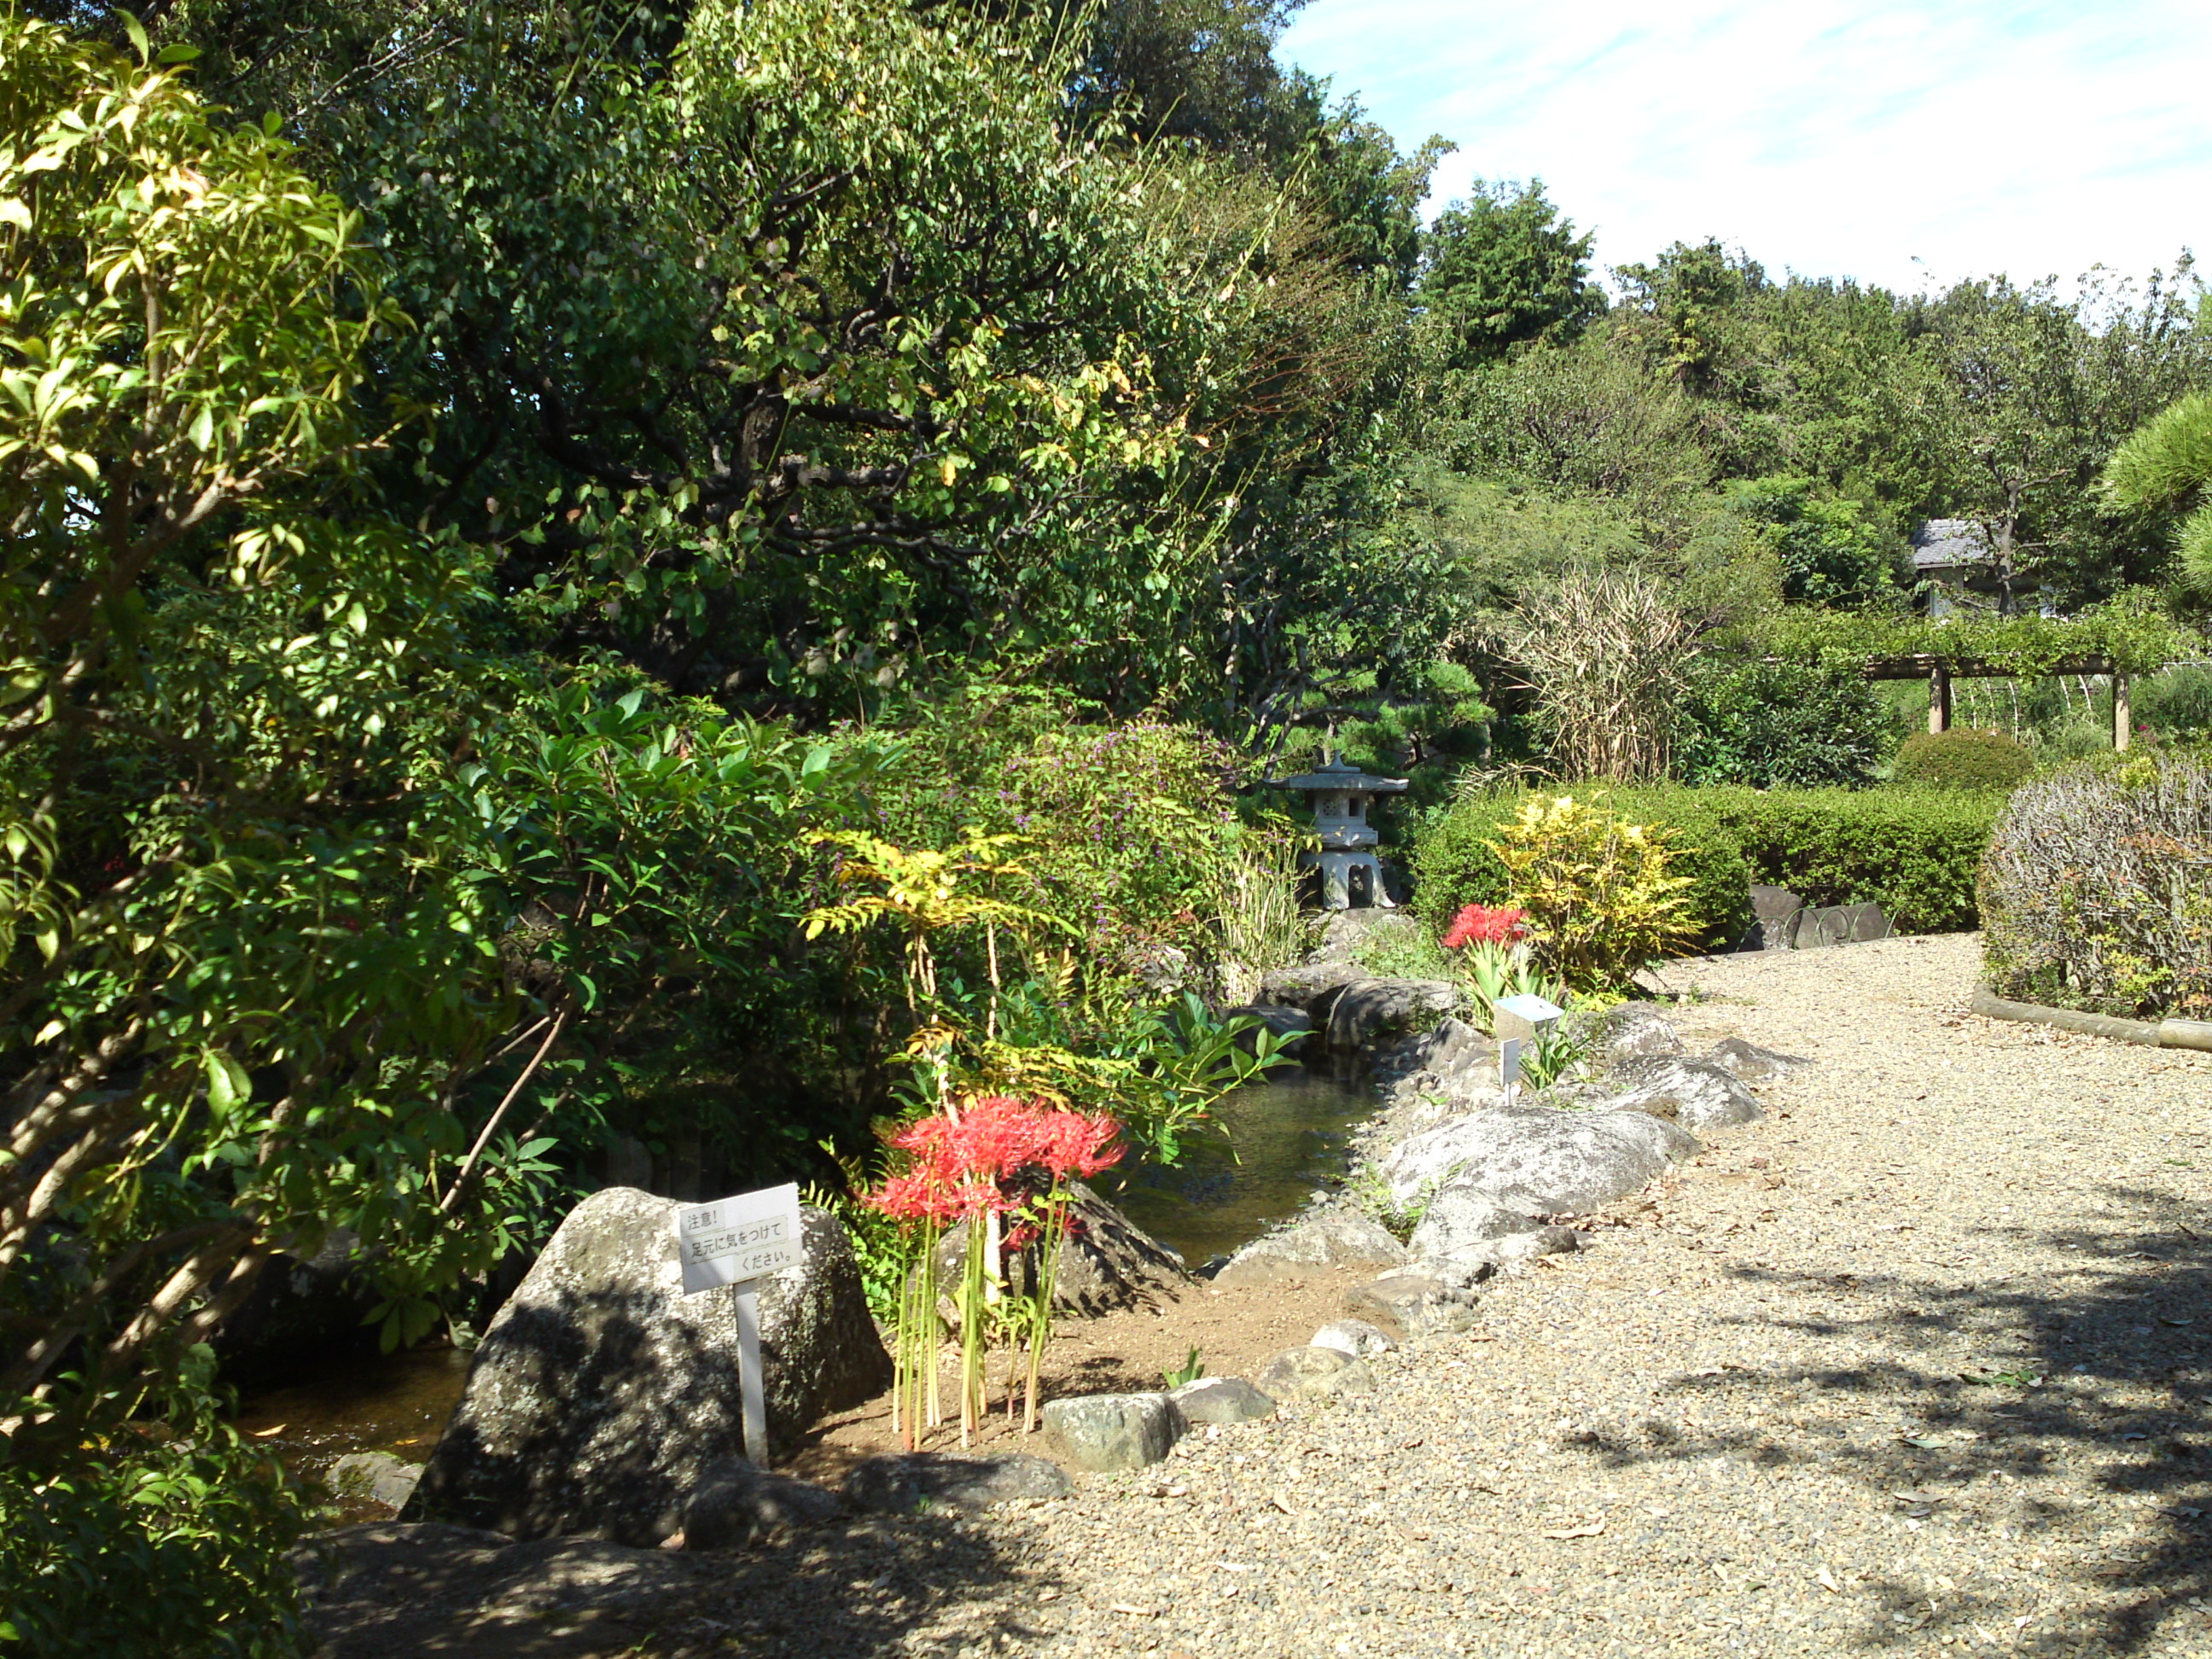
[(1826, 137)]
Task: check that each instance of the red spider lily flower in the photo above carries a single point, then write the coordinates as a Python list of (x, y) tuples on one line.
[(997, 1136), (1477, 924), (978, 1197), (1080, 1145), (917, 1195)]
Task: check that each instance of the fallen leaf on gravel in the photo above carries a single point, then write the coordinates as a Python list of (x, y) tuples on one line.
[(2163, 1319), (1276, 1498), (263, 1434), (1588, 1529), (1136, 1612), (1909, 1495), (1826, 1580)]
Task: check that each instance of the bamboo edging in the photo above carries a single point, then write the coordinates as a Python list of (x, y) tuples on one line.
[(2150, 1033)]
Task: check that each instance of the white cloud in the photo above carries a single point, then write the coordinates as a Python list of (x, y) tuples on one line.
[(1830, 137)]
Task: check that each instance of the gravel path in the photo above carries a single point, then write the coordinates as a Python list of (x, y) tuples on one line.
[(1741, 1423)]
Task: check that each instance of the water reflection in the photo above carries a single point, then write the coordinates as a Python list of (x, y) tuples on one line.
[(396, 1403), (1284, 1138)]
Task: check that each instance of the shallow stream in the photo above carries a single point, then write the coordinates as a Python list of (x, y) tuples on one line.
[(1282, 1138)]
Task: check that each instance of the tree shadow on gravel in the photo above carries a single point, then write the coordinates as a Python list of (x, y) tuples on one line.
[(855, 1589), (2137, 1311)]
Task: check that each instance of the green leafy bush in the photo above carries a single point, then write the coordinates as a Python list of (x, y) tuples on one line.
[(1779, 723), (1602, 904), (1130, 835), (138, 1539), (2097, 890), (1964, 758)]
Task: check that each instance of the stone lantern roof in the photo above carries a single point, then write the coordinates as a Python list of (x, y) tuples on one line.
[(1337, 777)]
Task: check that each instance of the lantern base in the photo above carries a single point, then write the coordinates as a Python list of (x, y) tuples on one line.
[(1349, 881)]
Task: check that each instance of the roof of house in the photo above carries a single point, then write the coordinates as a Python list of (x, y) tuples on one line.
[(1949, 543)]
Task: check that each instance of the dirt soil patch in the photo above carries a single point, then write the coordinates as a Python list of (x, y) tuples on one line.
[(1235, 1331)]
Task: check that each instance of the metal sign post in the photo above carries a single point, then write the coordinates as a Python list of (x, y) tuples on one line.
[(1509, 1067), (738, 1241)]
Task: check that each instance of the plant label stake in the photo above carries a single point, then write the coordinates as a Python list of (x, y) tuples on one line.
[(737, 1241), (1528, 1018), (1509, 1067)]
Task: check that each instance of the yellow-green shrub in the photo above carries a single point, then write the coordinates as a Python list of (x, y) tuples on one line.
[(1597, 890)]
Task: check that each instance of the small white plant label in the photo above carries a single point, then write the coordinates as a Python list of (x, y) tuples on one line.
[(1534, 1009)]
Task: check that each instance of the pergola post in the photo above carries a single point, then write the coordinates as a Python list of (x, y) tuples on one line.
[(1939, 698), (2123, 718)]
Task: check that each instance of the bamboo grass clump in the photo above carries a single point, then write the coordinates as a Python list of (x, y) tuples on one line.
[(1605, 653)]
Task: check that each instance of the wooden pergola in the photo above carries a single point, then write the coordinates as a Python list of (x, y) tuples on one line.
[(1939, 672)]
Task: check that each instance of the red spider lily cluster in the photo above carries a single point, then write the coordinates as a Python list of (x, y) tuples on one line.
[(1477, 924), (978, 1163)]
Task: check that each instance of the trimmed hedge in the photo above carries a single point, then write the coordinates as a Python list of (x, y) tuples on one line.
[(1913, 851), (1964, 758)]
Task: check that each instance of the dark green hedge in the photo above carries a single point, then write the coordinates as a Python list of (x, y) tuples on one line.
[(1913, 851), (1964, 758)]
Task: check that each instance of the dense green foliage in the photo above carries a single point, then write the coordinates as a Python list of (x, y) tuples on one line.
[(164, 1539), (1766, 724), (1503, 270), (1963, 757), (2162, 470), (2095, 894), (1914, 852)]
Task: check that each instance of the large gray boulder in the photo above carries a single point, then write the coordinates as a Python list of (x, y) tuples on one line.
[(1311, 986), (1368, 1012), (1694, 1093), (602, 1395), (1630, 1031), (1107, 1263), (1752, 1063), (1330, 1239), (1220, 1400), (1467, 1221), (1553, 1163), (1839, 924), (905, 1485), (1101, 1432)]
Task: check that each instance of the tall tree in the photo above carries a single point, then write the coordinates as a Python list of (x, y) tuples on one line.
[(1502, 269)]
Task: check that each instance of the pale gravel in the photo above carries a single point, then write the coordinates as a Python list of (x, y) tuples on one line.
[(1726, 1383)]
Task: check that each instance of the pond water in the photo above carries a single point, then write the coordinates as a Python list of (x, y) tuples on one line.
[(1284, 1138), (395, 1402)]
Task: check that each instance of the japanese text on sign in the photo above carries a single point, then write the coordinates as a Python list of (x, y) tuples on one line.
[(737, 1239)]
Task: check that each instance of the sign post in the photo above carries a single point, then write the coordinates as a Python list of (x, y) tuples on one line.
[(737, 1241), (1520, 1023)]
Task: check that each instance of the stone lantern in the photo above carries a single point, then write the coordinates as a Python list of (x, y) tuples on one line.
[(1351, 877)]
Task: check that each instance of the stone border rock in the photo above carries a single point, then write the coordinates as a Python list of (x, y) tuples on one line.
[(2150, 1034)]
